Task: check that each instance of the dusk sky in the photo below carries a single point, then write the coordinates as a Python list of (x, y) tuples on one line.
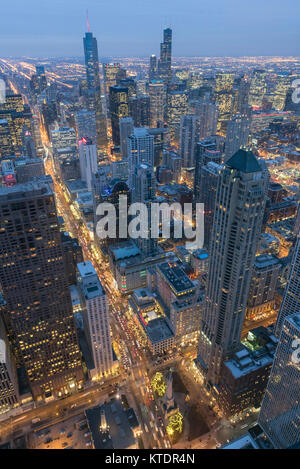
[(134, 27)]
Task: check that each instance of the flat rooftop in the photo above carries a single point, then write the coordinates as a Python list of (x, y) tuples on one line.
[(176, 278), (158, 330)]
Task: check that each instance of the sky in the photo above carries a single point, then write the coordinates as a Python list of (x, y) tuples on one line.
[(125, 28)]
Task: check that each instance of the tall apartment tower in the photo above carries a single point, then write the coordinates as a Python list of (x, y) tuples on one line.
[(239, 208), (126, 129), (291, 299), (188, 139), (280, 410), (143, 191), (140, 150), (152, 67), (207, 113), (96, 319), (157, 95), (87, 160), (93, 86), (118, 106), (35, 288), (237, 136), (258, 88), (165, 62)]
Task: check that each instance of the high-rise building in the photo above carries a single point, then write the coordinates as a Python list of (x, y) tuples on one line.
[(112, 72), (118, 106), (9, 393), (126, 129), (6, 143), (209, 149), (86, 124), (96, 320), (283, 84), (176, 107), (143, 191), (153, 67), (238, 215), (207, 122), (35, 289), (165, 62), (93, 86), (63, 138), (88, 160), (139, 110), (157, 95), (291, 299), (206, 194), (237, 135), (280, 410), (241, 104), (140, 150), (258, 88), (224, 97), (265, 275), (188, 139)]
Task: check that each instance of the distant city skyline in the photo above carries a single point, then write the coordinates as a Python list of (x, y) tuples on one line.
[(124, 29)]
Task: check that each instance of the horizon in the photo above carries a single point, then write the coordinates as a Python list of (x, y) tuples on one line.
[(213, 29)]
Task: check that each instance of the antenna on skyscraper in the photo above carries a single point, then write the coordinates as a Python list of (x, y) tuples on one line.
[(87, 20)]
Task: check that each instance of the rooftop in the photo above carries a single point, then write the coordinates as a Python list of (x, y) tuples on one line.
[(244, 161), (120, 424), (176, 278)]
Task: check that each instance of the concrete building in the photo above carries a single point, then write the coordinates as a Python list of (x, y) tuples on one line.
[(280, 410), (35, 288), (88, 160), (291, 300), (264, 281), (240, 202), (126, 129), (244, 376), (96, 319)]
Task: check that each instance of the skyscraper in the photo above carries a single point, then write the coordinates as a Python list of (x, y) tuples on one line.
[(86, 124), (157, 95), (88, 160), (280, 93), (153, 67), (9, 393), (258, 88), (143, 191), (239, 207), (291, 299), (280, 410), (126, 129), (35, 289), (207, 113), (165, 62), (237, 135), (176, 107), (140, 150), (224, 97), (188, 139), (118, 106), (96, 320), (93, 86)]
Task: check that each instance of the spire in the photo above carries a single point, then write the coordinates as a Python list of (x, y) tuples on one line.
[(87, 20)]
